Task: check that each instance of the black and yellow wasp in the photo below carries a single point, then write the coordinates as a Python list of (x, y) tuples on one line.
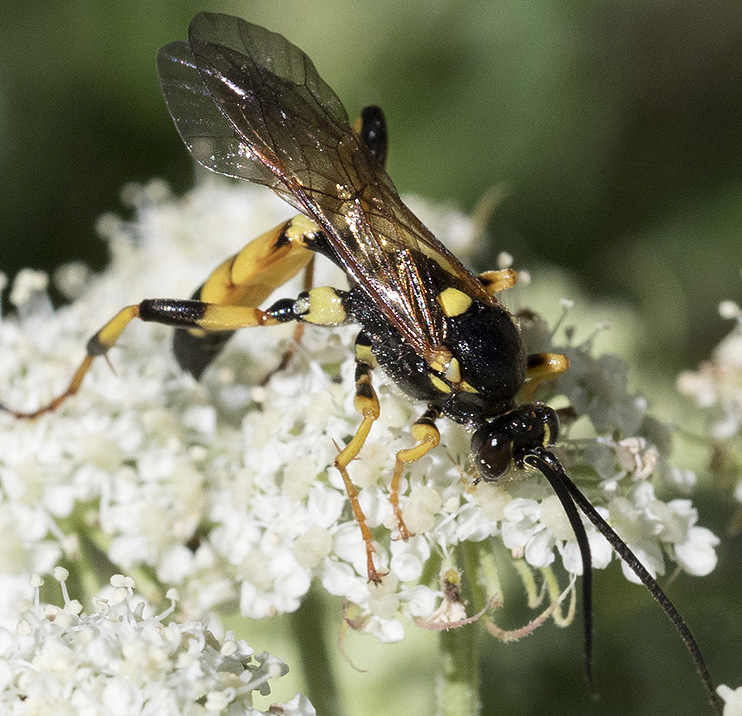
[(251, 105)]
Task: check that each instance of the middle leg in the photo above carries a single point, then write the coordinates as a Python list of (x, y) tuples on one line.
[(366, 404), (426, 433)]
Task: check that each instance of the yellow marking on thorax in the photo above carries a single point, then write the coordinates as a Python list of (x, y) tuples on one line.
[(452, 379), (453, 372), (439, 384), (439, 359), (454, 302)]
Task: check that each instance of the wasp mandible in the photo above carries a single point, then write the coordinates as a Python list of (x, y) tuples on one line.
[(251, 105)]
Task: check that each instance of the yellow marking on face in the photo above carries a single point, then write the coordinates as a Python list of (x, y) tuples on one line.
[(324, 307), (467, 387), (440, 385), (453, 372), (454, 302)]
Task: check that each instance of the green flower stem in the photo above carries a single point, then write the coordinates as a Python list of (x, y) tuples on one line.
[(309, 632), (457, 689)]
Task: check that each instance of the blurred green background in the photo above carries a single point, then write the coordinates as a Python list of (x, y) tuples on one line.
[(616, 127)]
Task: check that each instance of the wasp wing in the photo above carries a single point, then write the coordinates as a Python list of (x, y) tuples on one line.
[(201, 99), (250, 104)]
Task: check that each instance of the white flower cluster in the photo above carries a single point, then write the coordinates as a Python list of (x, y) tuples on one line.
[(621, 446), (118, 662), (225, 488), (732, 699), (717, 386)]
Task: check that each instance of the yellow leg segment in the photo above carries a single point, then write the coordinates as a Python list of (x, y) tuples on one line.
[(496, 281), (172, 312), (541, 367), (367, 405), (426, 433), (98, 345), (246, 279), (267, 262), (231, 318)]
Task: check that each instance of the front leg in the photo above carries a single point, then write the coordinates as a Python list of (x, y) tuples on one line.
[(427, 436), (498, 280), (541, 367)]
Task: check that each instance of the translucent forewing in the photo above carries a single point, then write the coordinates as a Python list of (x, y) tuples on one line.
[(207, 133), (274, 121)]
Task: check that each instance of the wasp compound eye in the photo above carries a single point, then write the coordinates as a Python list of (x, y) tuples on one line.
[(492, 453)]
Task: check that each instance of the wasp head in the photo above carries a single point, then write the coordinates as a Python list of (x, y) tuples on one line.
[(509, 437)]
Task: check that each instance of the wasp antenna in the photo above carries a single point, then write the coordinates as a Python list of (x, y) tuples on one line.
[(547, 463), (568, 503)]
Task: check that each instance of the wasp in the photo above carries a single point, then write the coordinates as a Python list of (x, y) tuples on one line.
[(249, 104)]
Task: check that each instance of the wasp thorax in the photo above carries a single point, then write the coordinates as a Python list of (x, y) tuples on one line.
[(488, 347), (510, 437)]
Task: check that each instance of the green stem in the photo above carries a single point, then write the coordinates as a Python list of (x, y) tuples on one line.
[(309, 632), (457, 689)]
